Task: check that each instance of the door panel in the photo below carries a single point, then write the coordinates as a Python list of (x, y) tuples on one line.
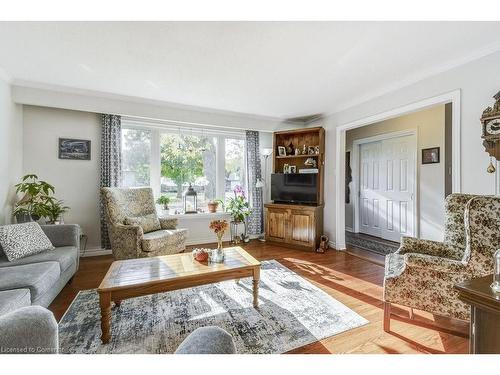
[(276, 224), (301, 227), (387, 188)]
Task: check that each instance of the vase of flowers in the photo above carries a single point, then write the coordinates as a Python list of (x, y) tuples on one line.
[(219, 227)]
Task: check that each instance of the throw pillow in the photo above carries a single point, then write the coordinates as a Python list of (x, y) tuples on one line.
[(149, 223), (22, 240)]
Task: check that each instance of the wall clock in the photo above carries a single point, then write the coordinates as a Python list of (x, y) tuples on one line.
[(490, 121)]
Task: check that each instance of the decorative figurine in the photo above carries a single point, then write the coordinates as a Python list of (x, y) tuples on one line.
[(304, 150), (323, 245)]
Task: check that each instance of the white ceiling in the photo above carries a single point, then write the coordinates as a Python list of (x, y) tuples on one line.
[(277, 69)]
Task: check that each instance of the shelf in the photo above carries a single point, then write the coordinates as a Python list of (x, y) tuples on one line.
[(297, 156)]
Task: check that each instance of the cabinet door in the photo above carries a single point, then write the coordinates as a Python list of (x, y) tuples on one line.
[(301, 228), (276, 224)]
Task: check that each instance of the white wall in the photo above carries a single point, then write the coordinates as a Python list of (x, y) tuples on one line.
[(430, 127), (11, 154), (76, 181), (478, 81)]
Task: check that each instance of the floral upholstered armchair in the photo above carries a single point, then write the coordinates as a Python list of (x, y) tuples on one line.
[(135, 230), (422, 273)]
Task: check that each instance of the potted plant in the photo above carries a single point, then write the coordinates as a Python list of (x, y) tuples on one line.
[(164, 200), (213, 205), (55, 209), (238, 207), (32, 206)]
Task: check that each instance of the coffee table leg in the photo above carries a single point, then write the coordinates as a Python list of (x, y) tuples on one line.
[(256, 278), (105, 302)]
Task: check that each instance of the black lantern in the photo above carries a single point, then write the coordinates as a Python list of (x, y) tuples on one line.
[(190, 201)]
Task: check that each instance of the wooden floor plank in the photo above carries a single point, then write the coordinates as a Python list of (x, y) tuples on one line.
[(346, 276)]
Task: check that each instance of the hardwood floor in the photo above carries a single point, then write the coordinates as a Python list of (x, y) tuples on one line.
[(347, 277)]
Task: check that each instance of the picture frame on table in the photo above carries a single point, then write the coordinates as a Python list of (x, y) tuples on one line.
[(281, 151)]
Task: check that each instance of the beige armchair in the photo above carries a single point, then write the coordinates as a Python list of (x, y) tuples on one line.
[(135, 230), (422, 273)]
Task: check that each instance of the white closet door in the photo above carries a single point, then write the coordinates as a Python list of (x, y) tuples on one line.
[(370, 190), (387, 188)]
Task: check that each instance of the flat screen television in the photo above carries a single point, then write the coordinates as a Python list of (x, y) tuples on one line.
[(299, 188)]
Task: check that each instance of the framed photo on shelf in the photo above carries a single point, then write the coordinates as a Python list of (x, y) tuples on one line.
[(286, 168), (292, 169), (430, 155), (311, 150), (281, 151)]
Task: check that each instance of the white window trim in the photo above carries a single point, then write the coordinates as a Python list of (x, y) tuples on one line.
[(157, 128)]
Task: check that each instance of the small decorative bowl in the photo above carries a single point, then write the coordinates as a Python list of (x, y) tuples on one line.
[(201, 255)]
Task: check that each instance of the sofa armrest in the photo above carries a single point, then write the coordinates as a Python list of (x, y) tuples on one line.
[(29, 330), (126, 241), (427, 247), (63, 234), (168, 223), (434, 263)]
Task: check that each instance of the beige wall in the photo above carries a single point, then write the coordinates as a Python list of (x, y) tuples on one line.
[(11, 151), (76, 181), (430, 127)]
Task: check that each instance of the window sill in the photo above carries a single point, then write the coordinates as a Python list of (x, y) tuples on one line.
[(203, 215)]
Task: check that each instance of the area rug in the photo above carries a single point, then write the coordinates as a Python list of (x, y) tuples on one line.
[(292, 313), (373, 244)]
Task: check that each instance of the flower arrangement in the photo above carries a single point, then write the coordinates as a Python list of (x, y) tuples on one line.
[(219, 227), (238, 207)]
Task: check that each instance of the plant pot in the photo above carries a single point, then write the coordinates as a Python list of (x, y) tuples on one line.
[(165, 207), (23, 218), (212, 207)]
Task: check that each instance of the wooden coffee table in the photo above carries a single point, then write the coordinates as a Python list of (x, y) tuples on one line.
[(139, 277)]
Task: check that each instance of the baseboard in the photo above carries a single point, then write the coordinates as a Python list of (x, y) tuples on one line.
[(349, 229), (95, 252), (340, 246)]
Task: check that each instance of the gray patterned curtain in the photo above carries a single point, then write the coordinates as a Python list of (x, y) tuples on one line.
[(111, 163), (254, 174)]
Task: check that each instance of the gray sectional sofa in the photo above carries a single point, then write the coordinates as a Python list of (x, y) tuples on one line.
[(36, 280)]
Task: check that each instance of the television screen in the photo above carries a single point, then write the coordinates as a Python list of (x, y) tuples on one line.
[(294, 188)]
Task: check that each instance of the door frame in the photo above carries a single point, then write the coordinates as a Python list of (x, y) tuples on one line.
[(453, 97), (356, 145)]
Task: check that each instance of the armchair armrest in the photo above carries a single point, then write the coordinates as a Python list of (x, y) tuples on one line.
[(126, 240), (427, 247), (434, 263), (29, 330), (167, 223)]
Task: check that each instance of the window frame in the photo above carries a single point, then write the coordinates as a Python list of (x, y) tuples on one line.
[(157, 129)]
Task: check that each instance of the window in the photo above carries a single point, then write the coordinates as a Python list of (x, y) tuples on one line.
[(234, 169), (185, 160), (136, 157), (170, 159)]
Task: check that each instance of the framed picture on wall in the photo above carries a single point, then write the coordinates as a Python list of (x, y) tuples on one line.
[(430, 155), (74, 149)]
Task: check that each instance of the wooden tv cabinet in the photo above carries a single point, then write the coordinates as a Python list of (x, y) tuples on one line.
[(294, 225)]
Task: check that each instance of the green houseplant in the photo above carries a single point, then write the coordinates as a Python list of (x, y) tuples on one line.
[(164, 201), (37, 201)]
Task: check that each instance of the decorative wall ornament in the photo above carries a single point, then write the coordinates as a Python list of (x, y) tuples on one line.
[(490, 122), (74, 149)]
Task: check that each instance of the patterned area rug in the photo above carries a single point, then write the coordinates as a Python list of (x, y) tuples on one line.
[(373, 244), (292, 313)]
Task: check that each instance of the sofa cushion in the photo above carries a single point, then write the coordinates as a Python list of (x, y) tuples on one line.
[(21, 240), (37, 277), (65, 256), (148, 223), (159, 239), (11, 300)]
